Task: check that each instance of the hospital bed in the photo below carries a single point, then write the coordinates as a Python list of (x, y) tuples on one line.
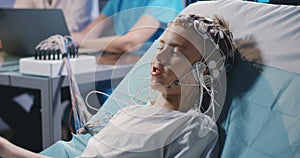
[(261, 114)]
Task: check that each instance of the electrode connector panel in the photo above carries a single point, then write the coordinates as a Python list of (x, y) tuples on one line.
[(52, 68)]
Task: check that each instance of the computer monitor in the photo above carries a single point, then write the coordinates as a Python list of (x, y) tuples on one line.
[(22, 29)]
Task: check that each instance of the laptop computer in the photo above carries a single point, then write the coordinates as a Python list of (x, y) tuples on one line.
[(22, 29)]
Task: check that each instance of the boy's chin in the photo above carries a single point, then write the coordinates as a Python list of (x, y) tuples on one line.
[(163, 88)]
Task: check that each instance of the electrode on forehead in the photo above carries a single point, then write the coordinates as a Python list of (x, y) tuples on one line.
[(202, 28)]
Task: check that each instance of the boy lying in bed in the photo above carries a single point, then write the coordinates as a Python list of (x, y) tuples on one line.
[(188, 71)]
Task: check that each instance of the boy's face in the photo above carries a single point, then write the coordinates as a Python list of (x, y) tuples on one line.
[(173, 59)]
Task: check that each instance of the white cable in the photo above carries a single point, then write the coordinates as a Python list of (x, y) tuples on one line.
[(99, 92), (62, 43)]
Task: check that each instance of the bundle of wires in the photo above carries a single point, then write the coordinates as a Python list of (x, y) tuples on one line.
[(66, 46)]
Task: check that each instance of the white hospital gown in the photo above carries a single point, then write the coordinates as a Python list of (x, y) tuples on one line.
[(153, 131)]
